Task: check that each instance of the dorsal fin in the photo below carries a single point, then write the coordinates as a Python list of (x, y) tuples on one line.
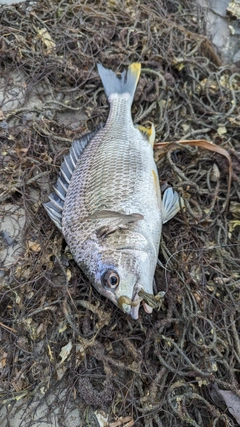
[(55, 206)]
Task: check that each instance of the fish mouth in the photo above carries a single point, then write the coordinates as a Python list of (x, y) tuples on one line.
[(131, 306)]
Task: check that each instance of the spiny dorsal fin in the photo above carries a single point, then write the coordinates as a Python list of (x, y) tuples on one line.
[(55, 206)]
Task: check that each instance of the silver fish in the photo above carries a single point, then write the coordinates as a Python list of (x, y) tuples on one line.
[(107, 200)]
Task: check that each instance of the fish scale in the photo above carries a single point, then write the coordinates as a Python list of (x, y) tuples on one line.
[(107, 200), (118, 186), (129, 189)]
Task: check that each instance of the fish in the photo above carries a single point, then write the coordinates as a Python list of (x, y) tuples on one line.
[(107, 200)]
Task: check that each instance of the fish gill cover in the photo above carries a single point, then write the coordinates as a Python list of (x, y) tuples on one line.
[(170, 368)]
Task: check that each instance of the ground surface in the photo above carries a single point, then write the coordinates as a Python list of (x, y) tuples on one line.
[(59, 339)]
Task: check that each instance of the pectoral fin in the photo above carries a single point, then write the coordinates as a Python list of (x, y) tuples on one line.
[(170, 204), (115, 221)]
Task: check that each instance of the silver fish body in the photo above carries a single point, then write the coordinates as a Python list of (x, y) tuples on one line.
[(107, 201)]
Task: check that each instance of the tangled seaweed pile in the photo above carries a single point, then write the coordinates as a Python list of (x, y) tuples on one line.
[(167, 368)]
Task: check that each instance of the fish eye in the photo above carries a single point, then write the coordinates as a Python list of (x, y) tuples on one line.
[(110, 279)]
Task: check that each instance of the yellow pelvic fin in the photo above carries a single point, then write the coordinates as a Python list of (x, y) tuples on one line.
[(150, 133)]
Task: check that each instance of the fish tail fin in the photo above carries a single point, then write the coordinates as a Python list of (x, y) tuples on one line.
[(125, 83), (170, 204)]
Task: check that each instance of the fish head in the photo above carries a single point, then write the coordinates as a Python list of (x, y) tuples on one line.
[(120, 275)]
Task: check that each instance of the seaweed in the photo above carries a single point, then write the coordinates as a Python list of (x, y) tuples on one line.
[(56, 332)]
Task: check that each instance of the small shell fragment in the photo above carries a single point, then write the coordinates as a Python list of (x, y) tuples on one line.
[(215, 173)]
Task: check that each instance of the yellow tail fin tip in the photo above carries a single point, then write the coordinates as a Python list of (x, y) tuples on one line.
[(135, 68)]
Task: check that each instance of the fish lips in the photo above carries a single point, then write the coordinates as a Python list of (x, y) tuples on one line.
[(131, 306)]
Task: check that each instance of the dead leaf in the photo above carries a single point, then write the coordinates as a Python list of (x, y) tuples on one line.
[(112, 4), (234, 120), (233, 224), (221, 130), (69, 275), (186, 127), (104, 317), (102, 418), (61, 369), (50, 353), (22, 273), (235, 209), (178, 63), (123, 422), (33, 246), (65, 351), (3, 360), (62, 327), (215, 173), (44, 35)]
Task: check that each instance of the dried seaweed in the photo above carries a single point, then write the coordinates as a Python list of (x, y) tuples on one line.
[(55, 330)]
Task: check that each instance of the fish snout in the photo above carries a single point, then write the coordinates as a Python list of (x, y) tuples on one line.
[(130, 306)]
